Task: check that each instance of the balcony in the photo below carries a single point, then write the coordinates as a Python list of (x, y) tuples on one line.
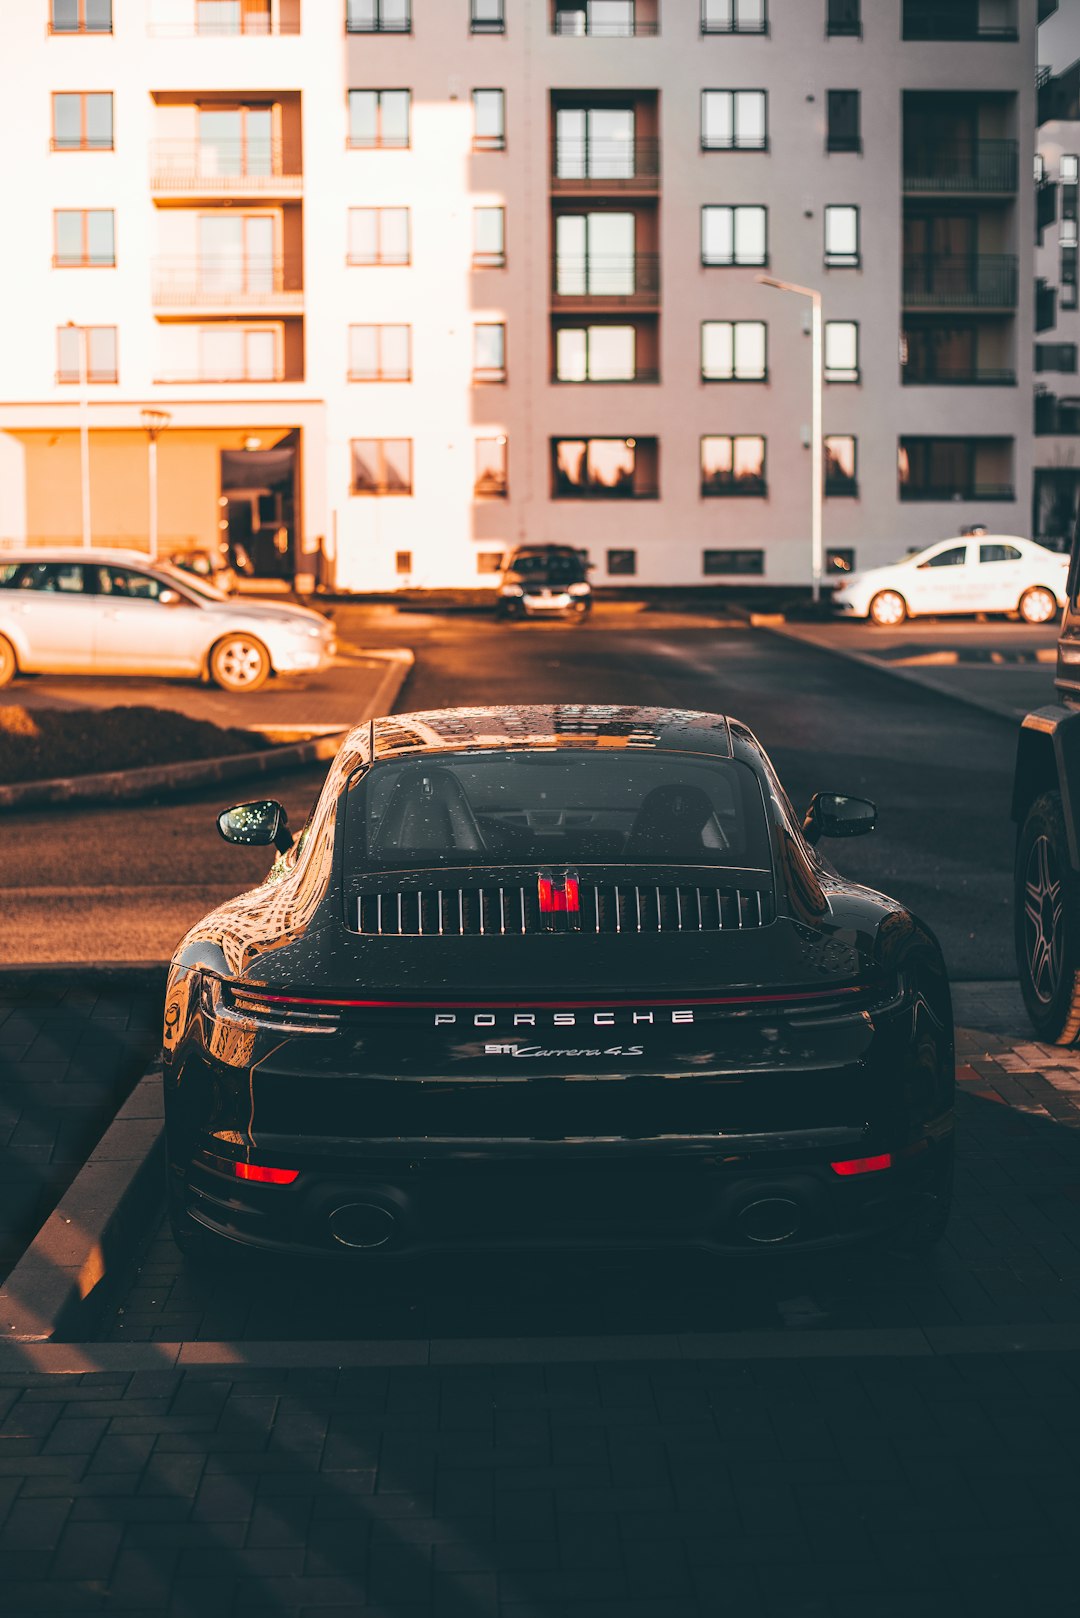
[(593, 166), (1056, 417), (1045, 204), (626, 20), (227, 19), (212, 379), (639, 375), (952, 168), (190, 168), (957, 491), (960, 281), (601, 280), (1045, 305), (960, 20), (942, 375), (228, 284)]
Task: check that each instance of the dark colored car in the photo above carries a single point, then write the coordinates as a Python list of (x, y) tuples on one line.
[(545, 580), (544, 976)]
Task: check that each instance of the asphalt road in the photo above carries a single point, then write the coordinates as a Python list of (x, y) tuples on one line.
[(123, 884)]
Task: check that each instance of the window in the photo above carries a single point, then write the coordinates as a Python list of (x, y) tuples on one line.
[(379, 118), (733, 120), (490, 481), (840, 561), (733, 351), (379, 236), (238, 17), (733, 466), (1068, 234), (717, 562), (842, 237), (734, 17), (595, 354), (229, 353), (378, 16), (843, 122), (381, 465), (999, 553), (1068, 168), (85, 237), (128, 583), (82, 121), (595, 256), (487, 17), (55, 578), (380, 353), (489, 352), (596, 143), (841, 351), (610, 19), (489, 120), (956, 557), (402, 562), (1040, 168), (100, 353), (621, 564), (955, 468), (840, 465), (843, 17), (603, 468), (489, 238), (80, 17), (1055, 357), (734, 235)]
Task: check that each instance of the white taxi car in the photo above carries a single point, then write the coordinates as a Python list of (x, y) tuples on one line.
[(97, 611), (978, 573)]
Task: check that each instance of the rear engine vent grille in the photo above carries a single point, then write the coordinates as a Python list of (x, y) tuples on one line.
[(604, 908)]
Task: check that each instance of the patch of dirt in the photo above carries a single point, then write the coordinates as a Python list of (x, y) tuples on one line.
[(45, 743)]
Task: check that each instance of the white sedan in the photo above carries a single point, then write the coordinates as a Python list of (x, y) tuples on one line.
[(980, 573), (96, 611)]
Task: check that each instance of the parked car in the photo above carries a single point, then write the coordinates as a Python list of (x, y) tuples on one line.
[(97, 611), (545, 579), (977, 573), (1046, 810), (556, 977)]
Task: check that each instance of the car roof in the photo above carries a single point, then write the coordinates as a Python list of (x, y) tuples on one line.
[(591, 726), (78, 553)]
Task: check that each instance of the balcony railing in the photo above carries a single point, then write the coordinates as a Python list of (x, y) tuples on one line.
[(636, 488), (748, 485), (171, 377), (640, 375), (582, 23), (937, 19), (958, 166), (228, 282), (960, 281), (956, 376), (221, 167), (233, 22), (633, 278), (605, 165), (957, 491), (1056, 417)]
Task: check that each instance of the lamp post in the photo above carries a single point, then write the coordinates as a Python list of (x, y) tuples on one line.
[(817, 448), (155, 422), (84, 429)]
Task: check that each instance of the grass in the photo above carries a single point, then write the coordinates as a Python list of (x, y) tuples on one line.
[(46, 743)]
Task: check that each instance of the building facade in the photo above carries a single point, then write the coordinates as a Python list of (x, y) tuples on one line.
[(386, 287), (1056, 494)]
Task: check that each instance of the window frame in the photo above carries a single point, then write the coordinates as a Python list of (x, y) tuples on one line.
[(485, 374), (634, 490), (843, 261), (85, 261), (489, 143), (592, 381), (380, 374), (730, 489), (380, 261), (734, 262), (838, 27), (381, 491), (503, 493), (734, 26), (851, 490), (482, 260), (735, 144), (854, 373), (85, 145), (379, 27), (93, 379), (81, 27), (837, 142), (380, 144), (708, 572), (630, 572), (480, 25), (1073, 159), (734, 377)]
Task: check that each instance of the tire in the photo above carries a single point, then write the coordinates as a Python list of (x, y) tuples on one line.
[(1047, 923), (239, 663), (1038, 605), (9, 663), (888, 609)]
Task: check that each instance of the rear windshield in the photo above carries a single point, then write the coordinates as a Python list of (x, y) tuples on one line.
[(528, 807), (546, 567)]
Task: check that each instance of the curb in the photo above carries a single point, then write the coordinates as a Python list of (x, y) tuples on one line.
[(765, 621), (60, 1284), (128, 786)]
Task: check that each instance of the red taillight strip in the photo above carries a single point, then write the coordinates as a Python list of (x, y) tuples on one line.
[(265, 1176), (611, 1003), (863, 1165)]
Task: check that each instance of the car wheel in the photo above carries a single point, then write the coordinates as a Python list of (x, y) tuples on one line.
[(1038, 605), (887, 609), (9, 665), (239, 663), (1047, 921)]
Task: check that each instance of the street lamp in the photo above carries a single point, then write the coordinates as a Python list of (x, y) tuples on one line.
[(155, 422), (817, 449), (84, 429)]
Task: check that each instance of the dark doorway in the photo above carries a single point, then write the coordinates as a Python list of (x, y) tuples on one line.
[(258, 491)]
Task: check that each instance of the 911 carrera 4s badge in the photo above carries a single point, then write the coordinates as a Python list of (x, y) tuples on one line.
[(519, 1052)]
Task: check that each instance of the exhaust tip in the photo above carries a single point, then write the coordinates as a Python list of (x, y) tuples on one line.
[(362, 1225), (769, 1220)]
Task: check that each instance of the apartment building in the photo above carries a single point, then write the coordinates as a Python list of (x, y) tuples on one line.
[(385, 287), (1056, 495)]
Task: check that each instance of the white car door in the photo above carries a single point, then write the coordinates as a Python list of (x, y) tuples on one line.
[(51, 617), (139, 634), (1000, 576), (942, 581)]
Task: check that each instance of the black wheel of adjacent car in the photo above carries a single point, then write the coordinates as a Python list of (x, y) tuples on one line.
[(1047, 921), (9, 666)]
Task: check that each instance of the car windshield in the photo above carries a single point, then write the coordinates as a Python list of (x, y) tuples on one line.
[(192, 581), (548, 567), (539, 806)]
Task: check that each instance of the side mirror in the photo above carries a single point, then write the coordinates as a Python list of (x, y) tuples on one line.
[(831, 815), (170, 598), (258, 823)]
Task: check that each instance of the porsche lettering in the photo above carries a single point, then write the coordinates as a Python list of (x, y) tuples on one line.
[(559, 1019)]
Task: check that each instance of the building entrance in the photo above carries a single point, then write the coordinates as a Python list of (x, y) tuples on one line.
[(258, 493)]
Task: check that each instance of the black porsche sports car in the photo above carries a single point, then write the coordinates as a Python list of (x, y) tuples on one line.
[(546, 976)]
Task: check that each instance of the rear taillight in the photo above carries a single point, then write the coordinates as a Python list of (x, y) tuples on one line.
[(265, 1176), (863, 1165)]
